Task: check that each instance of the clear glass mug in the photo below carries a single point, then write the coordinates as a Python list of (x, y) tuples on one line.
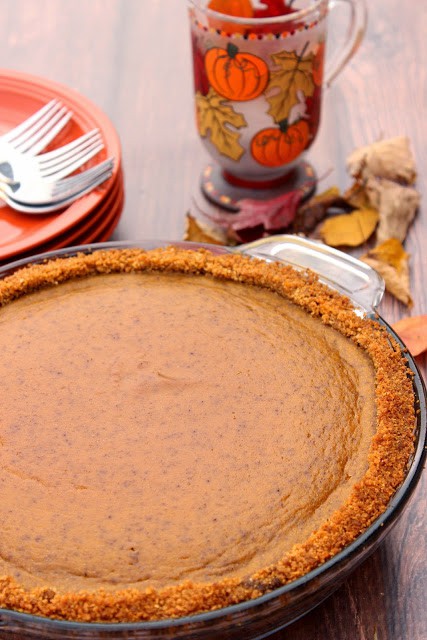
[(258, 85)]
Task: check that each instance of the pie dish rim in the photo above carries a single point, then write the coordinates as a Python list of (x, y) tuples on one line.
[(353, 554)]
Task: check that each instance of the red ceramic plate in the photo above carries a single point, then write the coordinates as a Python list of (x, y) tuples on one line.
[(20, 96)]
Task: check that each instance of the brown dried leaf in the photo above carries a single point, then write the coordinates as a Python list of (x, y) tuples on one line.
[(413, 332), (330, 198), (391, 261), (349, 229), (396, 204), (391, 159), (197, 231), (315, 209)]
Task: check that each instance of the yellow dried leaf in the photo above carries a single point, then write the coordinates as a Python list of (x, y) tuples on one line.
[(391, 261), (197, 231), (214, 117), (349, 229), (391, 252), (413, 332)]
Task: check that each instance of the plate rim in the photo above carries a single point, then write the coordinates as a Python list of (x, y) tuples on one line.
[(84, 112)]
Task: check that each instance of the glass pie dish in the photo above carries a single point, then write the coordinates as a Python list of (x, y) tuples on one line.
[(259, 617)]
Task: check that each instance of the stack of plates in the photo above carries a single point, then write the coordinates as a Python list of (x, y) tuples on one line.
[(93, 217)]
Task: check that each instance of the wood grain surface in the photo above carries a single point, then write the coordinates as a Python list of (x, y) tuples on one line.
[(132, 58)]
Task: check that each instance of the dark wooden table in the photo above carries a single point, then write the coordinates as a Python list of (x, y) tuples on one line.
[(132, 57)]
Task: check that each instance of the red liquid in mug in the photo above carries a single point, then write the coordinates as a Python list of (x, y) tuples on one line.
[(244, 9)]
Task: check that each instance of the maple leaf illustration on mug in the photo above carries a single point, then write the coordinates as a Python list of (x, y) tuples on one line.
[(291, 78), (215, 117), (291, 82)]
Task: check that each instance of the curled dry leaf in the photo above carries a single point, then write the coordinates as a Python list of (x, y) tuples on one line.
[(396, 284), (197, 231), (413, 332), (315, 209), (268, 215), (274, 214), (391, 261), (391, 252), (256, 218), (356, 196), (349, 229), (391, 159), (383, 171), (396, 204)]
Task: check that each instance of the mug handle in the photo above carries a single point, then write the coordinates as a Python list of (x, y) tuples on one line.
[(355, 33)]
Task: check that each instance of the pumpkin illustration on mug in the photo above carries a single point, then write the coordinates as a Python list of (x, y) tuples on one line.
[(278, 146), (236, 75)]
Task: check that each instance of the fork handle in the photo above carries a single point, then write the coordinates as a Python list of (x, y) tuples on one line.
[(5, 180), (6, 173)]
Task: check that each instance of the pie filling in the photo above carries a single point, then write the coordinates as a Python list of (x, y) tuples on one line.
[(180, 433)]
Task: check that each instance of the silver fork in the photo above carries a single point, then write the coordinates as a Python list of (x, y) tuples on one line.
[(57, 196), (61, 162), (41, 192), (27, 170), (36, 132)]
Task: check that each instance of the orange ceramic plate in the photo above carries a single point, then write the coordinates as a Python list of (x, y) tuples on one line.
[(105, 233), (20, 96), (93, 230)]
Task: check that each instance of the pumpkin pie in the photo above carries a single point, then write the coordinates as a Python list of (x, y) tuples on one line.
[(181, 431)]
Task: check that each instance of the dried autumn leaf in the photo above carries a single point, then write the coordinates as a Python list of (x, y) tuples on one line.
[(214, 118), (391, 261), (273, 214), (413, 332), (396, 204), (395, 283), (197, 231), (330, 197), (349, 229), (256, 218), (292, 77), (391, 252), (356, 196), (315, 209), (391, 159)]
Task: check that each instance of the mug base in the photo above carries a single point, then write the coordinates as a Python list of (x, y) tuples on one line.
[(226, 194)]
